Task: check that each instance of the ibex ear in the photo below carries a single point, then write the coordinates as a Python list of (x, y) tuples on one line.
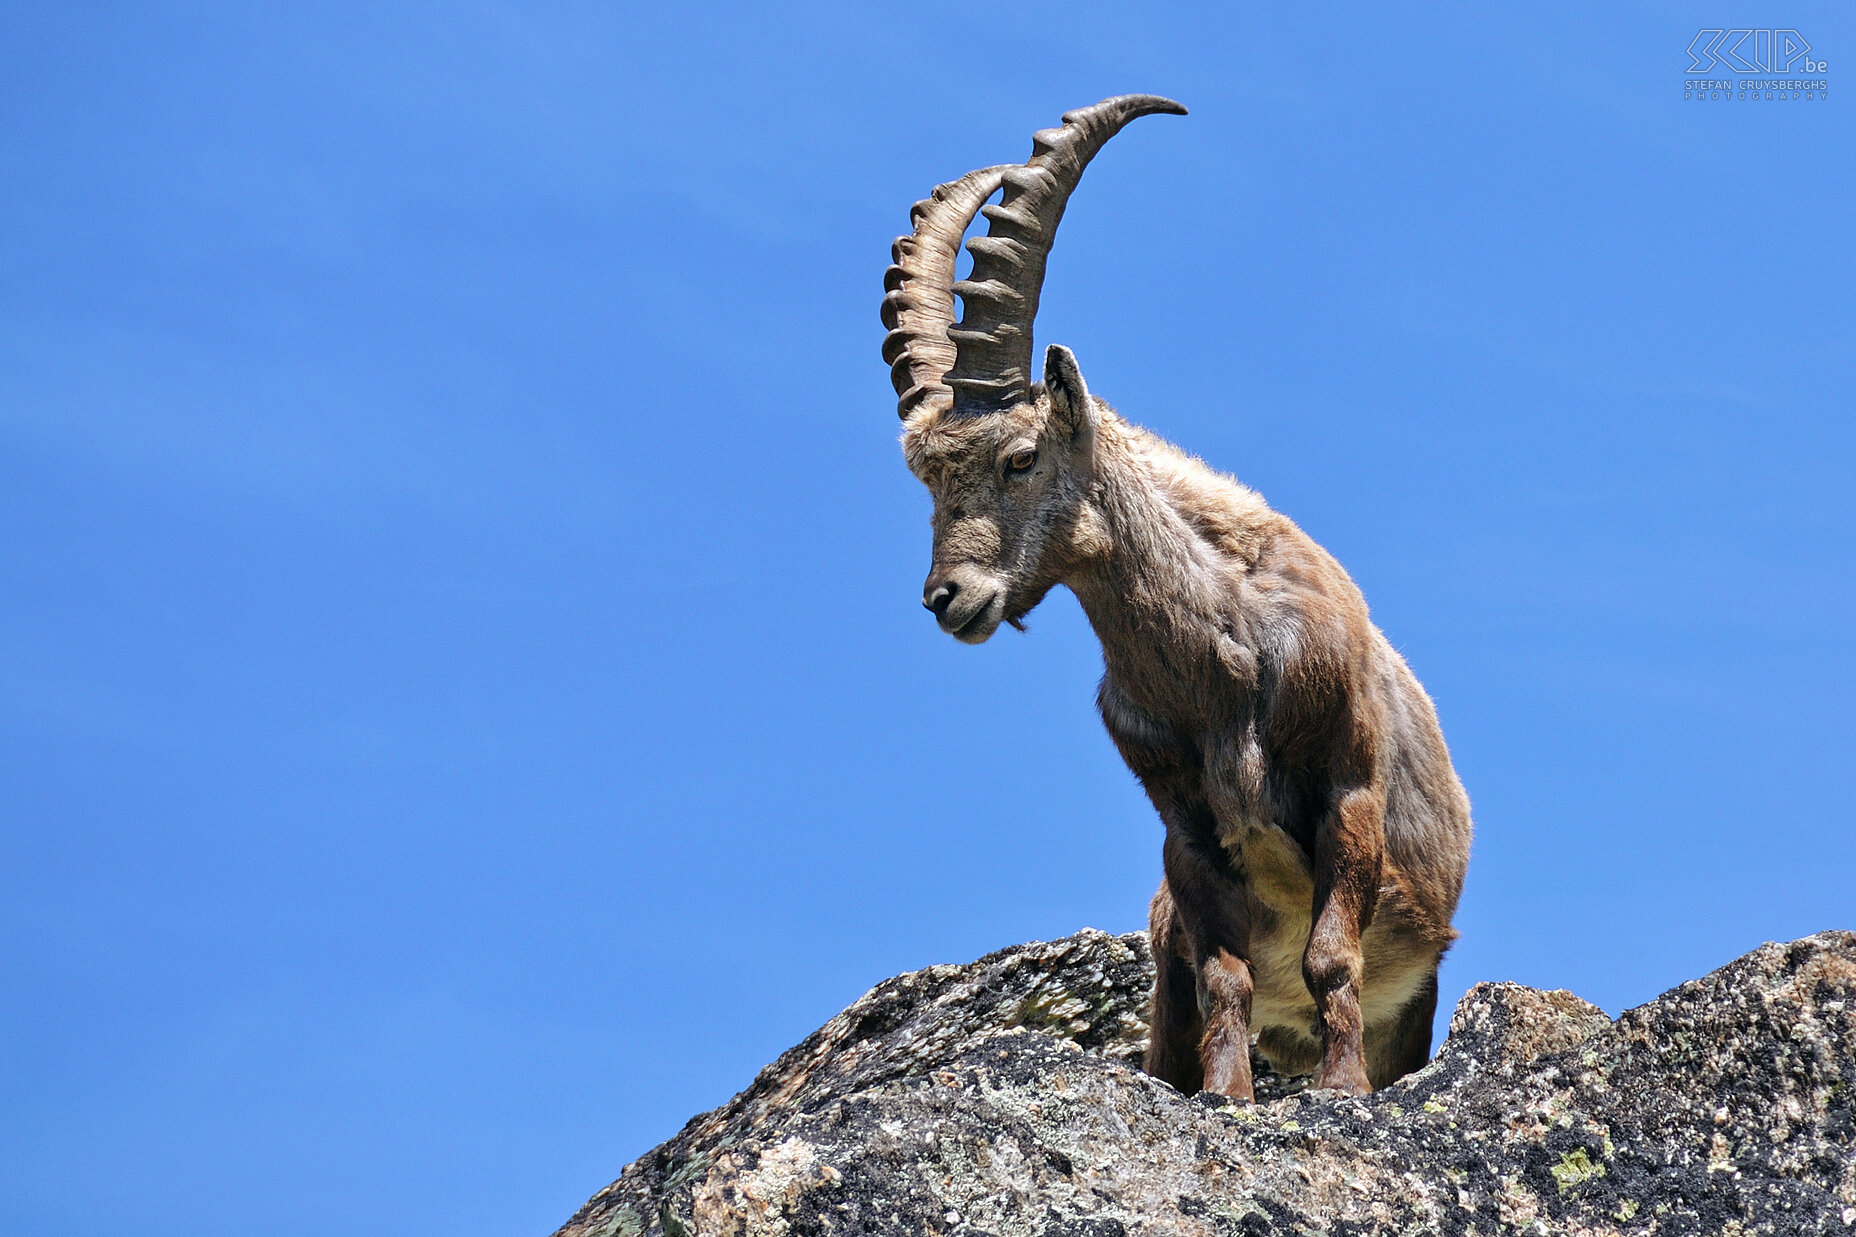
[(1071, 409)]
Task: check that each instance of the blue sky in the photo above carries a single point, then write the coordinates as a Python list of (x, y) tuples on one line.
[(466, 703)]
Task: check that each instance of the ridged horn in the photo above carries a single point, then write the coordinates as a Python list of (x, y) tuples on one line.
[(992, 343), (918, 301)]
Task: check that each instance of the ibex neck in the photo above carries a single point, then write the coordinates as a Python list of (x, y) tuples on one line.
[(1165, 577)]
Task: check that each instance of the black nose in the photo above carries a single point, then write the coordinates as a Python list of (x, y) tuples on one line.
[(938, 594)]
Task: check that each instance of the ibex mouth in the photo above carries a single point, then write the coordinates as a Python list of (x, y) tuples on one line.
[(980, 625)]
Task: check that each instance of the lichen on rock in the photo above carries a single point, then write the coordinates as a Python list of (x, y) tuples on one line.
[(1004, 1098)]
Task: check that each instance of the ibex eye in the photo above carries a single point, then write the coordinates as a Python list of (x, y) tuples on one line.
[(1021, 461)]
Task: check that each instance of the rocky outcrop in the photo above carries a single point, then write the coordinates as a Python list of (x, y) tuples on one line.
[(1004, 1097)]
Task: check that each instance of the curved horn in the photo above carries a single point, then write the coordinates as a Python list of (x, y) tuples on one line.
[(919, 304), (992, 365)]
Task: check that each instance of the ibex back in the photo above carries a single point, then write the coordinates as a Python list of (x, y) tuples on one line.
[(1316, 834)]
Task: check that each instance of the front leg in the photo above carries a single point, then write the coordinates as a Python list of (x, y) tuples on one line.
[(1349, 853), (1214, 914), (1209, 929)]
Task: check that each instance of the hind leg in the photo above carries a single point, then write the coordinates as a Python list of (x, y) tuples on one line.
[(1174, 1022), (1406, 1044)]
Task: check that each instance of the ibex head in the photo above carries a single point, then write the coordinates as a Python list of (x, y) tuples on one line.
[(1009, 462)]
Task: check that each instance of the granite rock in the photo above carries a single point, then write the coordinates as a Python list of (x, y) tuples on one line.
[(1004, 1098)]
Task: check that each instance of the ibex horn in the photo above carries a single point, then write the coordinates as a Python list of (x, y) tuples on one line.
[(919, 303), (992, 363)]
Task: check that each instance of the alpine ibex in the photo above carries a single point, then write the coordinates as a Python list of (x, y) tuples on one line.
[(1316, 834)]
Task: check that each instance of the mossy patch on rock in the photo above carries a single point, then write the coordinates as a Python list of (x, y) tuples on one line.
[(1576, 1167)]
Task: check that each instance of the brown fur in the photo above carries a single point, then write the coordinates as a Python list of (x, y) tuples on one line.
[(1316, 834)]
